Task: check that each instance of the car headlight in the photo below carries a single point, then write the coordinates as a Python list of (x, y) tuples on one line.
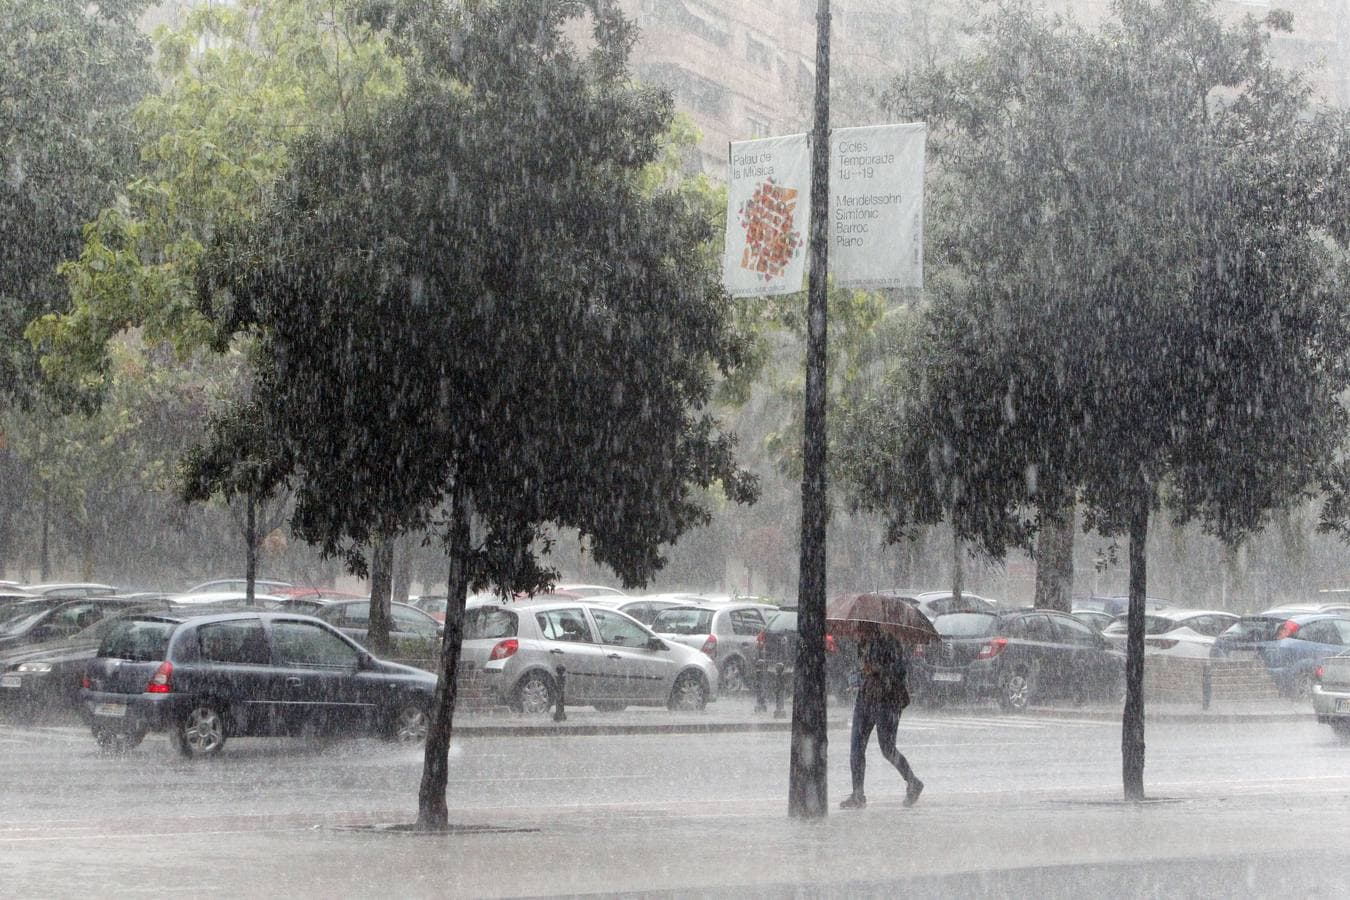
[(35, 667)]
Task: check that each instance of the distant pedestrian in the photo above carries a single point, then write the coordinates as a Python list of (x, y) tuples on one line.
[(882, 694)]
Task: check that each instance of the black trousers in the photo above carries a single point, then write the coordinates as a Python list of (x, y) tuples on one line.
[(885, 718)]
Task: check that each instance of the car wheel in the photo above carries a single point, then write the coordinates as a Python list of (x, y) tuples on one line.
[(1016, 693), (115, 743), (1303, 687), (534, 694), (690, 693), (1342, 728), (201, 731), (733, 677), (409, 725)]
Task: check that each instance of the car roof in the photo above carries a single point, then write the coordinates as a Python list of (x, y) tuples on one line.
[(191, 599)]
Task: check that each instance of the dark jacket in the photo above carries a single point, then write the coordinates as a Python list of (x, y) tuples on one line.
[(883, 671)]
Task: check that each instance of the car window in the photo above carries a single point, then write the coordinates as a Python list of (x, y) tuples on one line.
[(1320, 632), (1032, 628), (1157, 624), (489, 623), (1071, 631), (564, 625), (618, 629), (348, 615), (784, 621), (683, 621), (413, 622), (136, 639), (307, 644), (1255, 628), (964, 624), (746, 621), (239, 641)]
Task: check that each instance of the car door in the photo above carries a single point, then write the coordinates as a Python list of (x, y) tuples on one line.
[(313, 682), (1032, 649), (635, 672), (744, 628), (234, 664), (570, 642), (414, 636), (1085, 670)]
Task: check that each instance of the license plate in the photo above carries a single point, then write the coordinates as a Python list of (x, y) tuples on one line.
[(1343, 705), (110, 710), (947, 676), (11, 681)]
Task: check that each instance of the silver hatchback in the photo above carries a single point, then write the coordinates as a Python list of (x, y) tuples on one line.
[(513, 652)]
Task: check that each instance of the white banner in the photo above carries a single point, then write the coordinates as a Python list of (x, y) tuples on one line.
[(768, 216), (876, 205)]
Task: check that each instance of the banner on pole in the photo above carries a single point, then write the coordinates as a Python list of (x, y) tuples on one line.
[(876, 205), (768, 216)]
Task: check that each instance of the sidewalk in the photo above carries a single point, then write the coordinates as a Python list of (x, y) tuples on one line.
[(737, 714)]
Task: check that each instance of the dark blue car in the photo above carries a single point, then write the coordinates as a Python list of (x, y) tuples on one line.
[(1289, 643), (206, 678)]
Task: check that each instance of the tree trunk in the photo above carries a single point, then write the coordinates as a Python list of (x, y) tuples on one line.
[(1132, 731), (1054, 558), (958, 567), (432, 813), (45, 563), (808, 795), (402, 569), (381, 579), (250, 547)]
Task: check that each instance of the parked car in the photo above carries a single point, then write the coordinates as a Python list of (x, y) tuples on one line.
[(55, 618), (205, 679), (1094, 618), (589, 590), (778, 643), (414, 636), (70, 589), (726, 632), (232, 598), (1187, 633), (1290, 644), (40, 680), (1116, 606), (1018, 657), (238, 585), (512, 652), (1331, 693), (936, 603), (646, 608)]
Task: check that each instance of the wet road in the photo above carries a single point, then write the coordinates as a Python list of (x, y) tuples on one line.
[(673, 812)]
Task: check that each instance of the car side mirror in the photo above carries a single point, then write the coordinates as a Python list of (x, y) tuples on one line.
[(657, 644)]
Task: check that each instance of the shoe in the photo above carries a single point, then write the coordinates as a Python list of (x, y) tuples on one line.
[(913, 791), (854, 801)]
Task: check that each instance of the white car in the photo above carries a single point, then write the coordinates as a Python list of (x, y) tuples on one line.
[(512, 652), (226, 598), (1186, 633)]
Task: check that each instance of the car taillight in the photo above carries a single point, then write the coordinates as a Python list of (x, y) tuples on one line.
[(1161, 643), (710, 646), (504, 649), (85, 682), (759, 640), (1288, 629), (1318, 674), (992, 649), (830, 645), (162, 681)]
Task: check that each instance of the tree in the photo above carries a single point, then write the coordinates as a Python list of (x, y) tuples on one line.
[(470, 304), (1145, 305)]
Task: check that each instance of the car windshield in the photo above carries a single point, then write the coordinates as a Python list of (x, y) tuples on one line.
[(1254, 629), (1152, 625), (784, 621), (683, 621), (137, 639), (965, 624), (489, 623), (20, 624)]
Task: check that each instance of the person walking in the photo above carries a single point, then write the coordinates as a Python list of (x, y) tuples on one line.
[(882, 694)]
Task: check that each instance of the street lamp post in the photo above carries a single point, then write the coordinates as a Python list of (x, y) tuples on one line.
[(808, 796)]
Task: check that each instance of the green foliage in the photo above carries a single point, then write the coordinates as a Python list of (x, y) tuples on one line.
[(482, 290), (240, 84), (1144, 233), (69, 74)]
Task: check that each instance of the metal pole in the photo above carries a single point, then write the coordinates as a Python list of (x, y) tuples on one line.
[(807, 793)]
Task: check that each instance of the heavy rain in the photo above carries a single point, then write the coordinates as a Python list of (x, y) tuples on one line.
[(760, 448)]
